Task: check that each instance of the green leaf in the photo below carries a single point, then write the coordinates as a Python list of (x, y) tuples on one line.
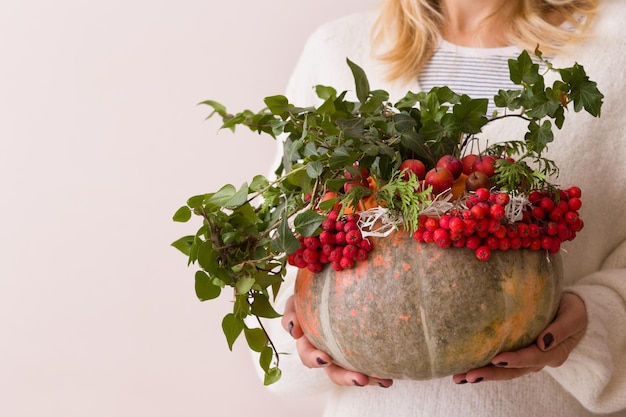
[(217, 108), (325, 92), (229, 196), (314, 169), (196, 201), (272, 376), (278, 105), (184, 244), (232, 327), (205, 289), (262, 307), (244, 284), (523, 69), (307, 223), (285, 241), (360, 80), (182, 215), (265, 359), (256, 339)]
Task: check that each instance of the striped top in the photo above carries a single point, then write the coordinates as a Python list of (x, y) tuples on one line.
[(477, 72)]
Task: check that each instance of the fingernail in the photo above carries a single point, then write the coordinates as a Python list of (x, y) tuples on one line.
[(548, 339), (356, 383), (463, 381), (321, 362), (380, 384), (502, 364), (290, 328), (477, 380)]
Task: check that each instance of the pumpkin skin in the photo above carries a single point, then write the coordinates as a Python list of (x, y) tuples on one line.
[(417, 311)]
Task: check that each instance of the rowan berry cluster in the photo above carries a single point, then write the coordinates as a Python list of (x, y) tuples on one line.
[(482, 224), (340, 244)]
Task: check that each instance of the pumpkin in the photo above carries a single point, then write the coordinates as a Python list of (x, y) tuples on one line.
[(417, 311)]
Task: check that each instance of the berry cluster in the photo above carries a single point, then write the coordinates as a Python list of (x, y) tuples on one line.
[(483, 227), (340, 244)]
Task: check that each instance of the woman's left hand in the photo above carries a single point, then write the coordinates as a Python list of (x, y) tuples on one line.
[(552, 347)]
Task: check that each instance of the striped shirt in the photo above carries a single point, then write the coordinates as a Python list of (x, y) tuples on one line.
[(477, 72)]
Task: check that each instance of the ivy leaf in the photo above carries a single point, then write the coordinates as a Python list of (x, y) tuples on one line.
[(584, 93), (307, 223), (228, 196), (271, 376), (259, 182), (244, 284), (256, 338), (265, 359), (360, 80), (314, 169), (469, 114), (285, 241), (278, 105), (232, 326), (523, 69), (262, 307), (205, 289)]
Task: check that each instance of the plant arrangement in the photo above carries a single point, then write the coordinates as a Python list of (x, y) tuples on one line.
[(353, 170)]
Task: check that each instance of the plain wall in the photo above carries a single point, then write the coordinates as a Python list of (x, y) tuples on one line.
[(101, 140)]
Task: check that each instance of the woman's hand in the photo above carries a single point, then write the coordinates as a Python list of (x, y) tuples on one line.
[(315, 358), (552, 347)]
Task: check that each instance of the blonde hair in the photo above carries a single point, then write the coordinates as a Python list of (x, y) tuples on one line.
[(407, 31)]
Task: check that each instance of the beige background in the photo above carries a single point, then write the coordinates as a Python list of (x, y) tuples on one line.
[(100, 142)]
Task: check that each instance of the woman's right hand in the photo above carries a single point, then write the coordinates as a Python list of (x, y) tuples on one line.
[(312, 357)]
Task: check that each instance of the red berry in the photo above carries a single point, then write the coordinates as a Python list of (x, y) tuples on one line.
[(362, 255), (366, 244), (504, 243), (573, 192), (347, 263), (546, 204), (497, 211), (310, 256), (328, 225), (336, 255), (431, 224), (311, 242), (350, 251), (441, 237), (483, 253), (575, 203), (456, 224), (353, 237), (502, 198), (478, 212), (340, 238), (472, 242), (482, 194), (315, 267), (327, 238)]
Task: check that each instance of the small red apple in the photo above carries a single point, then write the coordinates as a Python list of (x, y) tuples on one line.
[(452, 163), (440, 179), (414, 165), (485, 164), (468, 161)]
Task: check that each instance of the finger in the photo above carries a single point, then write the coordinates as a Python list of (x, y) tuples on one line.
[(289, 320), (310, 356), (533, 357), (570, 321), (344, 377), (492, 373)]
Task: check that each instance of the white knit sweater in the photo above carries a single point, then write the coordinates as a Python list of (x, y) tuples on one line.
[(591, 153)]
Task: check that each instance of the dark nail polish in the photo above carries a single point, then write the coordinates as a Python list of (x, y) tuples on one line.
[(356, 383), (321, 362), (477, 380), (548, 339), (463, 381), (290, 328), (502, 364)]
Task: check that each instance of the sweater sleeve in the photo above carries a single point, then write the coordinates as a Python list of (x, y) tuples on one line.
[(595, 372)]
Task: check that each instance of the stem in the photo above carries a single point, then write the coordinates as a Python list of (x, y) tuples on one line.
[(269, 340)]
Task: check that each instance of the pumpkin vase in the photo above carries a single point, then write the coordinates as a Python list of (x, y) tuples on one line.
[(417, 311)]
